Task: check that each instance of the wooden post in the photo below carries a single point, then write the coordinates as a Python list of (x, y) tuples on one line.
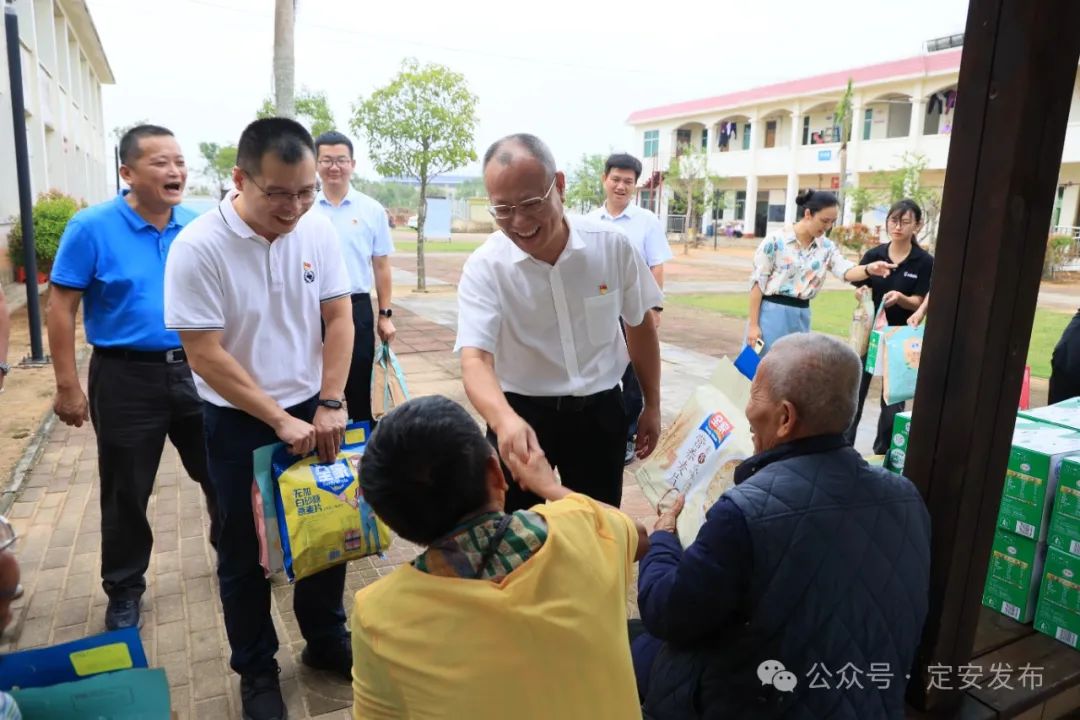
[(1016, 78)]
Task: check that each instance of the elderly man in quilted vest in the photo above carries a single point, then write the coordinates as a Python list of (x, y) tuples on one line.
[(804, 594)]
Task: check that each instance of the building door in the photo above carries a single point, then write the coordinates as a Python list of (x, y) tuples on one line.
[(761, 214), (770, 134)]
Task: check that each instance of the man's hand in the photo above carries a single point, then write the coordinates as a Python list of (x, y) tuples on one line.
[(298, 436), (71, 407), (535, 475), (329, 432), (517, 439), (648, 432), (668, 520), (386, 329)]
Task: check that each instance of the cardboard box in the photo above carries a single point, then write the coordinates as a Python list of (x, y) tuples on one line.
[(1032, 476), (1012, 580), (1064, 532), (898, 445), (1065, 413), (1058, 613)]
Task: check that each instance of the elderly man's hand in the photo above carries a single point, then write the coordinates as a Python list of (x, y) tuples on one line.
[(534, 474), (648, 433), (669, 518)]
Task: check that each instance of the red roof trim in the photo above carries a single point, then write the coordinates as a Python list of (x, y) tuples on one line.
[(920, 65)]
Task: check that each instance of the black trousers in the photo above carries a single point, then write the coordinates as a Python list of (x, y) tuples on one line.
[(358, 384), (231, 437), (586, 445), (134, 406), (885, 419)]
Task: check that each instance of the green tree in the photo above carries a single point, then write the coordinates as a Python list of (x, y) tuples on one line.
[(585, 186), (420, 125), (906, 182), (219, 163), (119, 130), (390, 195), (311, 106), (471, 188), (842, 118), (688, 176)]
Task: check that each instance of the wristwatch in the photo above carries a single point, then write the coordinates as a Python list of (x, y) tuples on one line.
[(332, 404), (388, 312), (657, 308), (4, 368)]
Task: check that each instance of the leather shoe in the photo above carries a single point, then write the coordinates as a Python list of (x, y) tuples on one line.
[(260, 695), (334, 656), (122, 614)]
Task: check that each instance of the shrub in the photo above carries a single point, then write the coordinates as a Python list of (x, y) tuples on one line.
[(856, 237), (51, 214)]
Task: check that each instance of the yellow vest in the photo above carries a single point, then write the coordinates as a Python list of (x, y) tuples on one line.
[(549, 641)]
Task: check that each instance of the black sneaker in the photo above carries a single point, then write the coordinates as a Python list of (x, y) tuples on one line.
[(122, 614), (334, 656), (260, 695)]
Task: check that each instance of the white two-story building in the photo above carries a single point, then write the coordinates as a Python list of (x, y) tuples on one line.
[(63, 68), (767, 142)]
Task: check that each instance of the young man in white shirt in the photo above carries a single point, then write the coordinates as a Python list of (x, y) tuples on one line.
[(248, 287), (641, 226), (539, 334), (362, 225)]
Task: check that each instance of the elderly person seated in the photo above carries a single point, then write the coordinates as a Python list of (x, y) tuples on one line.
[(501, 615), (805, 591), (9, 590)]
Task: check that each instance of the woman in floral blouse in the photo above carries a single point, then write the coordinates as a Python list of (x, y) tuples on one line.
[(789, 270)]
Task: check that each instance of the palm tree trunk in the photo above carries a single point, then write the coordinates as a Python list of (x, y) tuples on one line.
[(284, 64), (421, 217)]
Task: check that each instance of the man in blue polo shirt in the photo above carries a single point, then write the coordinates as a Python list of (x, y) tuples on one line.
[(641, 226), (141, 391), (364, 230)]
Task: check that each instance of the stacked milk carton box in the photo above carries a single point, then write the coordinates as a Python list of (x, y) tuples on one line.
[(1058, 610)]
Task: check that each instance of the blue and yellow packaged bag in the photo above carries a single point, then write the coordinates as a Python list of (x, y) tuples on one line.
[(323, 519)]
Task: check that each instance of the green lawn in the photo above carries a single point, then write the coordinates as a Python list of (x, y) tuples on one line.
[(831, 313), (403, 246)]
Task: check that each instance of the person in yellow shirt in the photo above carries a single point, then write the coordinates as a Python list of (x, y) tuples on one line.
[(520, 614)]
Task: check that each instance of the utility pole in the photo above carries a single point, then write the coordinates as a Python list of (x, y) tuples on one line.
[(284, 62), (22, 172)]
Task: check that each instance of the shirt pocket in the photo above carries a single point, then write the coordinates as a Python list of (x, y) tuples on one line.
[(602, 318)]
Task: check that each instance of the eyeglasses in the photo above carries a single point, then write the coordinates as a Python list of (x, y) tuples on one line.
[(529, 207), (331, 161), (7, 534), (281, 197), (900, 223)]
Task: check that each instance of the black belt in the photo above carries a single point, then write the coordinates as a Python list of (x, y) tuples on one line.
[(567, 403), (786, 300), (175, 356)]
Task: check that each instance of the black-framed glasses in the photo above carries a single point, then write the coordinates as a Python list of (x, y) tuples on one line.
[(283, 197), (341, 161), (529, 207), (900, 222)]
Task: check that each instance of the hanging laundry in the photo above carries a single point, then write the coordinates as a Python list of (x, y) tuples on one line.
[(937, 100), (950, 101)]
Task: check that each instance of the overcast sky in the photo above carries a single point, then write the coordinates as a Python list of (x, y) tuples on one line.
[(570, 71)]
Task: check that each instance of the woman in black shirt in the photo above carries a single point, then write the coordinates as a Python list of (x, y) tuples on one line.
[(902, 292)]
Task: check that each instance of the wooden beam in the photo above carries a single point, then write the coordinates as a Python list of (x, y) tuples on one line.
[(1016, 78)]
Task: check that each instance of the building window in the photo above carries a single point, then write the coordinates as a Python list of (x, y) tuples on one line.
[(868, 123), (705, 139), (652, 143), (746, 138), (806, 130), (740, 204), (647, 199), (682, 141), (770, 133)]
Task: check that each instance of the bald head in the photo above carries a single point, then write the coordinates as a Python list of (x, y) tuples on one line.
[(817, 374), (512, 147)]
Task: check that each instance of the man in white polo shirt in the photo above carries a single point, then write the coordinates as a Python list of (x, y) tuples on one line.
[(248, 286), (641, 226), (364, 229), (539, 305)]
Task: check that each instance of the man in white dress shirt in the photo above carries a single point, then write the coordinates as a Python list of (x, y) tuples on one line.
[(641, 226), (538, 328)]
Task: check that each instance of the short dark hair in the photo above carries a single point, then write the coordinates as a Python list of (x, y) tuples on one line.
[(903, 207), (534, 145), (425, 468), (129, 143), (285, 138), (623, 161), (333, 137), (815, 201)]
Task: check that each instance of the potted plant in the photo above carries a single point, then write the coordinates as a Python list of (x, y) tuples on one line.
[(51, 214)]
